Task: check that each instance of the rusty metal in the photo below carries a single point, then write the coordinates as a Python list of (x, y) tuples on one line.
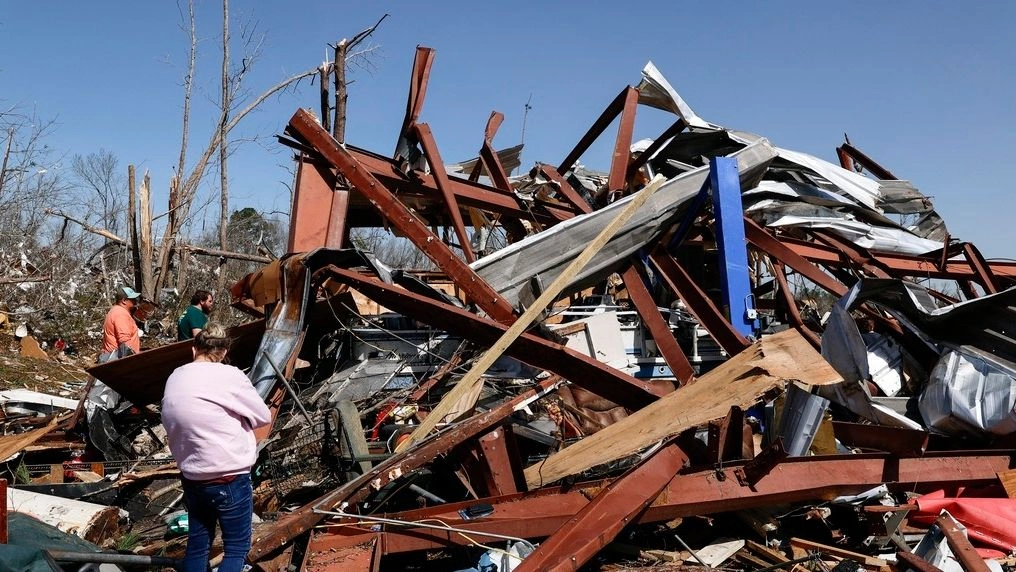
[(643, 300), (617, 180), (916, 562), (365, 556), (597, 128), (500, 471), (314, 223), (440, 375), (964, 552), (791, 305), (784, 250), (565, 188), (541, 512), (430, 151), (981, 268), (944, 251), (495, 170), (699, 304), (578, 368), (895, 440), (422, 190), (845, 160), (599, 522), (902, 265), (657, 144), (634, 280), (856, 254), (338, 231), (283, 531), (418, 81), (756, 469), (141, 378), (855, 155), (657, 326), (304, 124), (488, 156), (730, 441)]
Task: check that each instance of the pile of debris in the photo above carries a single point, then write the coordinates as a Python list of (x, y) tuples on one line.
[(719, 353)]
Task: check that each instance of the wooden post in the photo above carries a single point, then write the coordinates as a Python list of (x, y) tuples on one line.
[(145, 239), (132, 226)]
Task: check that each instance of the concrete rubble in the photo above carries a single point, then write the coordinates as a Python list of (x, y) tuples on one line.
[(720, 353)]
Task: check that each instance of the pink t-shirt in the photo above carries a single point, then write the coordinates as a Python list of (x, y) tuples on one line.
[(210, 411)]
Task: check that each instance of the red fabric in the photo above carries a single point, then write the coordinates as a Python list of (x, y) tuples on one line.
[(990, 522)]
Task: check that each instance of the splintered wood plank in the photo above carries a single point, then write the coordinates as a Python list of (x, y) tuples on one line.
[(87, 476), (1008, 480), (12, 444), (869, 562), (742, 380), (774, 556)]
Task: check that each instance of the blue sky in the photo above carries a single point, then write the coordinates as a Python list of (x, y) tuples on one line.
[(926, 88)]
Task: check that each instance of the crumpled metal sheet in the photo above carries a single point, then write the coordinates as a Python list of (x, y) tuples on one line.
[(985, 323), (970, 392), (541, 257), (845, 348)]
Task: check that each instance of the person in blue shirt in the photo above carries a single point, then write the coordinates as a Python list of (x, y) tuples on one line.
[(195, 317)]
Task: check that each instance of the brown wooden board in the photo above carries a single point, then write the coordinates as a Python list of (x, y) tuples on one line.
[(762, 368)]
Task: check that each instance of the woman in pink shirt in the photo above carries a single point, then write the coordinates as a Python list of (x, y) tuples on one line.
[(210, 411)]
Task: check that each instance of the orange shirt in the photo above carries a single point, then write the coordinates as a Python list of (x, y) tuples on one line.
[(118, 328)]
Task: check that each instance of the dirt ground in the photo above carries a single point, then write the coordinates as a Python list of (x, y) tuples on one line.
[(59, 374)]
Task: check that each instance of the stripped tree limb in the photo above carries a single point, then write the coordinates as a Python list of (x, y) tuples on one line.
[(189, 247), (225, 253), (23, 279), (94, 230)]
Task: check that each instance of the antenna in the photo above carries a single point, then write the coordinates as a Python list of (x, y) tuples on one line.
[(525, 115)]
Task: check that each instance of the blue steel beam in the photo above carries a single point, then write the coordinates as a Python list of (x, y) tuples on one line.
[(733, 252)]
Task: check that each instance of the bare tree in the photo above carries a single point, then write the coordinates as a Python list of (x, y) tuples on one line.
[(184, 190), (101, 189), (226, 102)]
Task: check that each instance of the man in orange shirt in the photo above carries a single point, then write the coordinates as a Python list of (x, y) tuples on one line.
[(120, 334)]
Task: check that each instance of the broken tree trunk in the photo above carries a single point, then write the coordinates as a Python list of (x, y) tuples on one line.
[(132, 226), (94, 522), (144, 243)]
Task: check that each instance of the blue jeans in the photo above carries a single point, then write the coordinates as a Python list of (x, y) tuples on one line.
[(231, 506)]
